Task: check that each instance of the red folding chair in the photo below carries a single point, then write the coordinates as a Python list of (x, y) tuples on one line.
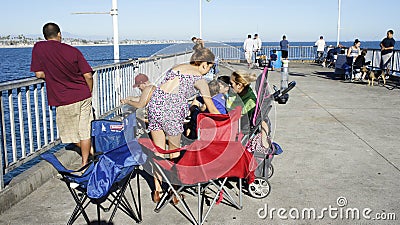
[(206, 164), (221, 127), (203, 164)]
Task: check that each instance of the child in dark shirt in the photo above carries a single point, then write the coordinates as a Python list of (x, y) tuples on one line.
[(360, 62), (272, 58), (198, 106)]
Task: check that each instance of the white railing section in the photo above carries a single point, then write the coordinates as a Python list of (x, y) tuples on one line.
[(109, 86), (227, 53), (295, 52), (114, 82), (27, 122), (374, 55), (155, 67)]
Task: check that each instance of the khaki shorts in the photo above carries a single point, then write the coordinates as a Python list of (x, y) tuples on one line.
[(73, 121)]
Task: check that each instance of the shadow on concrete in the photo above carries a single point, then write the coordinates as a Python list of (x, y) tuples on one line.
[(393, 82), (328, 75), (297, 74), (101, 222)]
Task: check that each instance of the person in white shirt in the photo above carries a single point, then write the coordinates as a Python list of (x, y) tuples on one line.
[(257, 43), (257, 46), (248, 47), (320, 49)]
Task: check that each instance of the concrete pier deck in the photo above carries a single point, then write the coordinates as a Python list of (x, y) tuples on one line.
[(341, 145)]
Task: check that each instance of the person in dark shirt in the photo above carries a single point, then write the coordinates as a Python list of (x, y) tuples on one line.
[(198, 106), (330, 56), (69, 86), (284, 44), (272, 59), (360, 63), (360, 60), (387, 46)]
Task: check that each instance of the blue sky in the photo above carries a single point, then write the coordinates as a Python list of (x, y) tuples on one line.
[(223, 20)]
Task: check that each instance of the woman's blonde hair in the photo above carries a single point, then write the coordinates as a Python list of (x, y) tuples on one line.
[(243, 77)]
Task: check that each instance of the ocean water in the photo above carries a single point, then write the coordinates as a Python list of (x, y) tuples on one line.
[(15, 62)]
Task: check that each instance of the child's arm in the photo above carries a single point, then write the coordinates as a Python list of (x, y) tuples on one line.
[(133, 98), (143, 100), (202, 86), (199, 104)]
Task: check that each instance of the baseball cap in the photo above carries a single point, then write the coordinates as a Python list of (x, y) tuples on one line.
[(140, 79)]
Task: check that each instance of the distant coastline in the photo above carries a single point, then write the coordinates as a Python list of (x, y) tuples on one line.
[(23, 42), (17, 44), (29, 43)]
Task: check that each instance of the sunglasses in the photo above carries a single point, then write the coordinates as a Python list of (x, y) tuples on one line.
[(232, 82)]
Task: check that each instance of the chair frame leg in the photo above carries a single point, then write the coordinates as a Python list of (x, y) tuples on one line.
[(187, 213), (166, 197), (80, 207), (118, 201)]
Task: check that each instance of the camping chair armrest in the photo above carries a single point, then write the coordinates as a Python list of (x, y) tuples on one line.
[(52, 159), (81, 172), (146, 142)]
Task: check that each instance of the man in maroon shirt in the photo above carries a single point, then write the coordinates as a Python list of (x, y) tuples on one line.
[(69, 85)]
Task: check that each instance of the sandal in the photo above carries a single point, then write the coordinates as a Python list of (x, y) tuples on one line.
[(156, 196), (175, 200)]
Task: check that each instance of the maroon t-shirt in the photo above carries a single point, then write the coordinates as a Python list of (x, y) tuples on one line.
[(63, 66)]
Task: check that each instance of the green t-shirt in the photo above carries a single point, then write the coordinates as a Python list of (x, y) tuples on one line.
[(247, 101)]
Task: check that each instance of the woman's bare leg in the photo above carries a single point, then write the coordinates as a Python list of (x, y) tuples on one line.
[(174, 142), (85, 146), (159, 140)]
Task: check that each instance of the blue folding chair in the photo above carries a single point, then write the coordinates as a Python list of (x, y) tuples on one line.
[(107, 177)]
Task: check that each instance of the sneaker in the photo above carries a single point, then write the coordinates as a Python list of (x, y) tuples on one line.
[(387, 77), (323, 64)]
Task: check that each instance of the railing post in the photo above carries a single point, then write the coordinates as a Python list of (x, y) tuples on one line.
[(95, 95), (1, 143), (284, 74)]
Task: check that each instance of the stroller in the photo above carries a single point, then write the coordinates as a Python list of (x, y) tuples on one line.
[(261, 60), (259, 136)]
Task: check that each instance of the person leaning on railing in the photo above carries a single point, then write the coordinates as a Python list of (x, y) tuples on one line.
[(69, 86), (387, 46), (320, 49), (146, 87)]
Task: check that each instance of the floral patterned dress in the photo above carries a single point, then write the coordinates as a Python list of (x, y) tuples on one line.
[(167, 111)]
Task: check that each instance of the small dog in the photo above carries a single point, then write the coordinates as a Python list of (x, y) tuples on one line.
[(371, 76)]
